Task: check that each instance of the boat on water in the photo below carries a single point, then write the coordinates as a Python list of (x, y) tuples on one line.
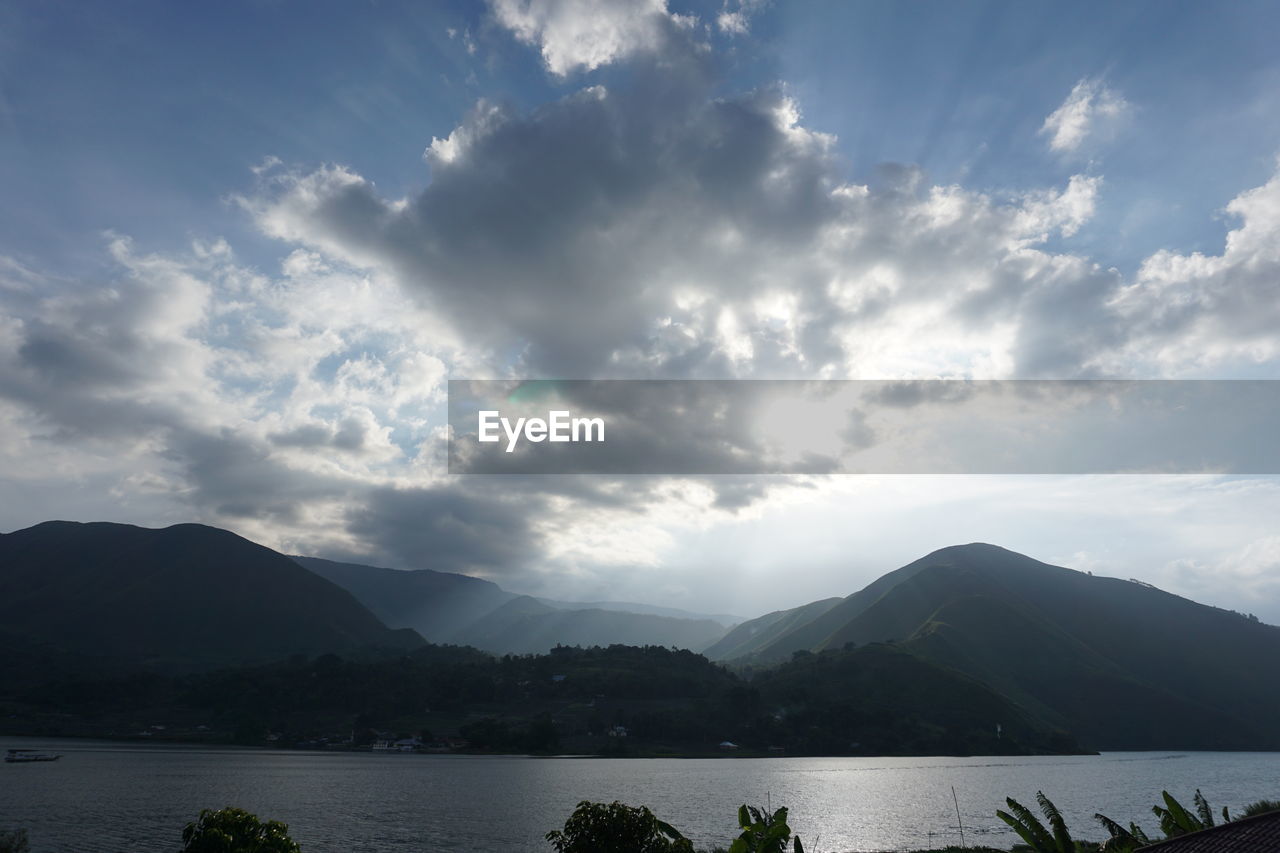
[(23, 756)]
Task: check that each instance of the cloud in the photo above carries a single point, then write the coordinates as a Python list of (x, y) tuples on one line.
[(735, 16), (302, 409), (664, 225), (1252, 573), (451, 528), (107, 359), (1185, 313), (655, 229), (1089, 107), (586, 34)]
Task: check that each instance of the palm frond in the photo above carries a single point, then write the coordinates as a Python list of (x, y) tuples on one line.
[(1027, 825), (1202, 809), (1060, 833), (1113, 828)]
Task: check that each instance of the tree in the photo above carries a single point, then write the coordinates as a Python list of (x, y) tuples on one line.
[(618, 828), (232, 830), (542, 736), (1032, 831)]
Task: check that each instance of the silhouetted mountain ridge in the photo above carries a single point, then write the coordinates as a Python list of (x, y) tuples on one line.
[(1120, 664), (186, 596)]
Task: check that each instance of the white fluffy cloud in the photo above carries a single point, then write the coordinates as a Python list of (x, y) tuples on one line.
[(586, 34), (1185, 314), (670, 233), (1090, 106)]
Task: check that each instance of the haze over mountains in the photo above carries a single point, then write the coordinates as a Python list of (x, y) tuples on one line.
[(452, 608), (1118, 664)]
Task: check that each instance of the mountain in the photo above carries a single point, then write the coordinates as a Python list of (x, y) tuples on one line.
[(185, 597), (526, 625), (929, 656), (438, 605), (452, 608), (754, 635), (1121, 664)]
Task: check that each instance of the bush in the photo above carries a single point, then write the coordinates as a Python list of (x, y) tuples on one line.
[(1261, 807), (232, 830), (764, 833), (617, 828)]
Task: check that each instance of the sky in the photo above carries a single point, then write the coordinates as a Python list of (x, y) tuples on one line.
[(245, 245)]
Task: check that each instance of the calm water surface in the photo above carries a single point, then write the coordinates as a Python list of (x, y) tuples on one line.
[(125, 798)]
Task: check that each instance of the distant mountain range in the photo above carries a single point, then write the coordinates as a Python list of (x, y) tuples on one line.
[(194, 597), (462, 610), (1118, 664), (527, 625)]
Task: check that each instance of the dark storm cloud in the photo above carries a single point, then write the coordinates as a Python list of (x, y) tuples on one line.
[(451, 528), (569, 228), (646, 229), (73, 357), (233, 476)]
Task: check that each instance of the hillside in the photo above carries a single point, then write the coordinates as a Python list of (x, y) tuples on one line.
[(438, 605), (872, 700), (881, 697), (1094, 655), (752, 636), (185, 597)]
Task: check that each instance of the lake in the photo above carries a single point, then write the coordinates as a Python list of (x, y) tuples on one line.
[(124, 798)]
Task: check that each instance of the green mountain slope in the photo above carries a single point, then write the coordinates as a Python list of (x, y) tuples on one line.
[(1122, 664), (184, 597), (861, 700), (753, 635), (804, 635)]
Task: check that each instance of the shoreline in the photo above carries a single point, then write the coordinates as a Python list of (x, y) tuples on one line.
[(690, 756)]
